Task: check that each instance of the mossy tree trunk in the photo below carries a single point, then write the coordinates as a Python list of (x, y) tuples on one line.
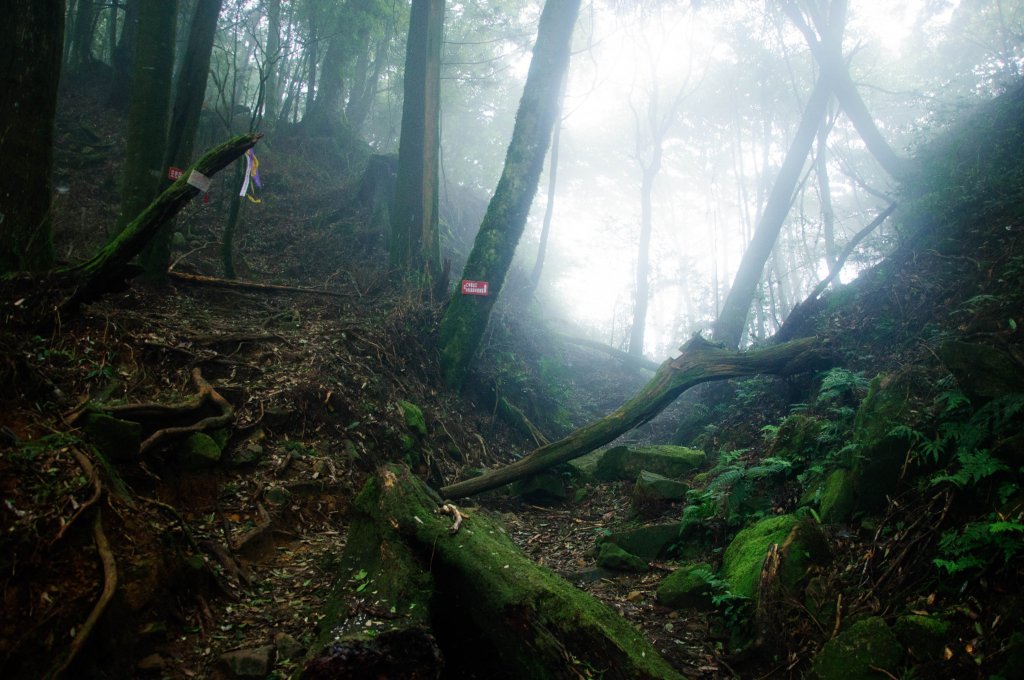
[(463, 324), (190, 92), (147, 115), (415, 241), (492, 610), (700, 362), (31, 46), (107, 268)]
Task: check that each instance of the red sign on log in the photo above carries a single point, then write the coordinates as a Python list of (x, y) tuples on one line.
[(474, 287), (174, 173)]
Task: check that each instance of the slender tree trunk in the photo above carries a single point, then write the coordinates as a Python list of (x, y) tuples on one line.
[(190, 92), (273, 63), (147, 117), (828, 52), (728, 328), (828, 225), (463, 324), (415, 241), (123, 61), (312, 56), (115, 7), (31, 49), (81, 41), (549, 209)]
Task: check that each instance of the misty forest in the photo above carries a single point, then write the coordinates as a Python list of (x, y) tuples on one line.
[(414, 339)]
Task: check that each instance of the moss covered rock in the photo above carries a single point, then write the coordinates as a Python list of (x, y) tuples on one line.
[(611, 556), (687, 587), (117, 440), (854, 653), (838, 497), (982, 371), (800, 542), (797, 438), (924, 636), (544, 488), (413, 417), (879, 455), (649, 542), (198, 451), (652, 487), (625, 463)]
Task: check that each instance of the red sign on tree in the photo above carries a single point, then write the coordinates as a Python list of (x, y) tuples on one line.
[(174, 173), (474, 287)]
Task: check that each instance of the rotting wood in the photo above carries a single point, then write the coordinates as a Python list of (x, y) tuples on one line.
[(699, 362), (513, 617)]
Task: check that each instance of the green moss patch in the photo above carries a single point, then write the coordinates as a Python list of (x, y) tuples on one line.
[(687, 587), (801, 545), (857, 651), (625, 463)]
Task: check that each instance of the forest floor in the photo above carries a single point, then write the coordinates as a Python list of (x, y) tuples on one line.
[(243, 554)]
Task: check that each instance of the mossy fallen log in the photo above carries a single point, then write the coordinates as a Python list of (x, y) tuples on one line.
[(699, 362), (106, 270), (490, 608)]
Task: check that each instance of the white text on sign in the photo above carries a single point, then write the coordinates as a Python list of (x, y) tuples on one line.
[(474, 287)]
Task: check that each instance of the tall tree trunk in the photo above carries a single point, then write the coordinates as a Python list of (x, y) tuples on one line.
[(190, 92), (642, 292), (364, 88), (31, 50), (322, 113), (123, 62), (728, 328), (415, 241), (115, 7), (828, 222), (147, 116), (81, 41), (273, 63), (549, 208), (828, 52), (312, 58), (465, 320)]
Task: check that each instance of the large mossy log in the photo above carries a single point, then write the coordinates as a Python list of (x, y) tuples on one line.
[(699, 362), (489, 607)]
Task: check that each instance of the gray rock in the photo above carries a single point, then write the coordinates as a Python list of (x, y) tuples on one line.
[(255, 662)]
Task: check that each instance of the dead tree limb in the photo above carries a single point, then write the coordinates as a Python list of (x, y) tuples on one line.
[(252, 285), (106, 270), (624, 357), (700, 362)]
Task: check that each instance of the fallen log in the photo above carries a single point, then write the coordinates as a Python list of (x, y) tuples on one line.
[(699, 362), (472, 596), (106, 270)]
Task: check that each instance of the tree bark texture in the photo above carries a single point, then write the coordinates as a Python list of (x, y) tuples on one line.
[(465, 320), (489, 604), (31, 48), (190, 91), (147, 115), (81, 41), (700, 362), (728, 328), (415, 241), (107, 266)]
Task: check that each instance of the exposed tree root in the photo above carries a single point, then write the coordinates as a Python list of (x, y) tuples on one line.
[(153, 415), (97, 489), (109, 586)]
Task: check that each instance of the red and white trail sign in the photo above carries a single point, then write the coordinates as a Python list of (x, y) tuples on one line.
[(174, 173), (474, 287)]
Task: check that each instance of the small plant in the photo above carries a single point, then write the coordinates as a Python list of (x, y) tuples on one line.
[(839, 384)]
